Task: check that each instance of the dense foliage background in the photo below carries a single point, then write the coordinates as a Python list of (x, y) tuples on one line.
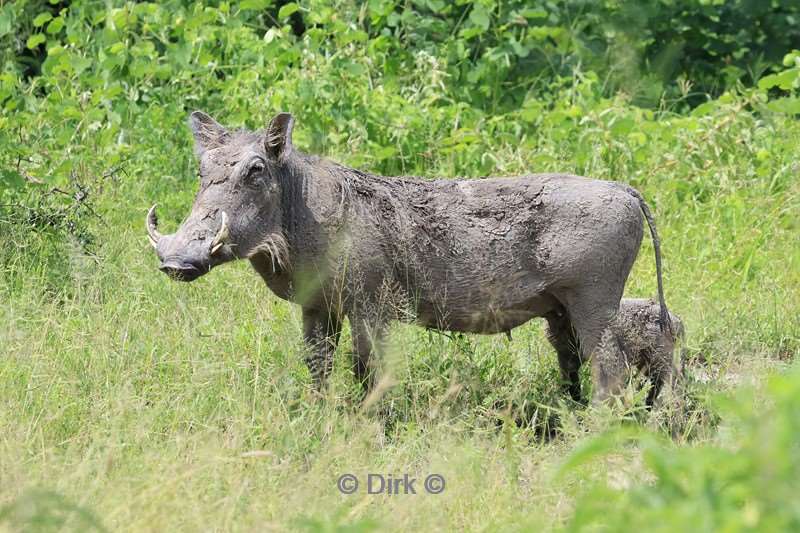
[(129, 402)]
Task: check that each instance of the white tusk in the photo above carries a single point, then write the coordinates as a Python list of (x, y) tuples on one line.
[(222, 235), (151, 223)]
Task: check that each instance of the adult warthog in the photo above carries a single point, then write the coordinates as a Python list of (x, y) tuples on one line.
[(473, 255)]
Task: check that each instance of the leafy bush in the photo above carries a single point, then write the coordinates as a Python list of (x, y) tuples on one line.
[(746, 482), (192, 402)]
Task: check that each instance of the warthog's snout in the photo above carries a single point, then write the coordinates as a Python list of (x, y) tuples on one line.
[(184, 258), (180, 261), (181, 270)]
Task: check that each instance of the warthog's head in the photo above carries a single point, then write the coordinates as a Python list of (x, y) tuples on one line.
[(237, 209)]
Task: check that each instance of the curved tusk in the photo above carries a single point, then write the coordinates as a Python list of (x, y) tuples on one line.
[(222, 235), (151, 224)]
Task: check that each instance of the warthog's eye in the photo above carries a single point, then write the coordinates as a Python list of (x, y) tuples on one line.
[(255, 168)]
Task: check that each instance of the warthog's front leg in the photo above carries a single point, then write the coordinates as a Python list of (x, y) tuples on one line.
[(321, 333)]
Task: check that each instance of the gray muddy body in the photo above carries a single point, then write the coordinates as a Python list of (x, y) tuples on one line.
[(472, 255)]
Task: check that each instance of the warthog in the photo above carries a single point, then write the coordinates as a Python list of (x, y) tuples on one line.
[(471, 255), (638, 331)]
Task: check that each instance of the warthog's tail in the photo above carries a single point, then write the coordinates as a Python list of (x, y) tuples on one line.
[(665, 322)]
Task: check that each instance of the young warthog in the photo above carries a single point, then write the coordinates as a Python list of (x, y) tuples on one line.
[(639, 333), (482, 255)]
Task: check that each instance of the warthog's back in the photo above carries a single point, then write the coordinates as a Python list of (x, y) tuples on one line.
[(481, 254)]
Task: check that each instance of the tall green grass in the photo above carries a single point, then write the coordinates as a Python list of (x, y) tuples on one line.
[(155, 405), (130, 402)]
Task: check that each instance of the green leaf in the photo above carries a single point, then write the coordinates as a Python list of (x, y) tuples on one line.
[(622, 126), (11, 180), (117, 48), (255, 5), (355, 69), (6, 20), (271, 35), (79, 64), (353, 35), (479, 17), (783, 80), (41, 18), (385, 152), (55, 25), (519, 49), (637, 138), (287, 10), (35, 40), (534, 13), (790, 106), (469, 33), (705, 108)]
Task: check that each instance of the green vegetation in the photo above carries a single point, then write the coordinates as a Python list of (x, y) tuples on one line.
[(129, 402)]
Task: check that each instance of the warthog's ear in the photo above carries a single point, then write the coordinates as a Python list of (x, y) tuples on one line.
[(279, 135), (208, 133)]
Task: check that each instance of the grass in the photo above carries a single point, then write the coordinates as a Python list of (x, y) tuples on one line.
[(152, 405)]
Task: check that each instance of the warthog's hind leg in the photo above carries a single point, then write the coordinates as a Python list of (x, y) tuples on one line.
[(609, 366), (592, 313), (561, 336), (321, 333)]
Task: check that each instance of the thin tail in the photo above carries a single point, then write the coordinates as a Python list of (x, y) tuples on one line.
[(665, 322)]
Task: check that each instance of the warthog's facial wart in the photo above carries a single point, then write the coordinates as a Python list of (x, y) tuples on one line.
[(238, 203)]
